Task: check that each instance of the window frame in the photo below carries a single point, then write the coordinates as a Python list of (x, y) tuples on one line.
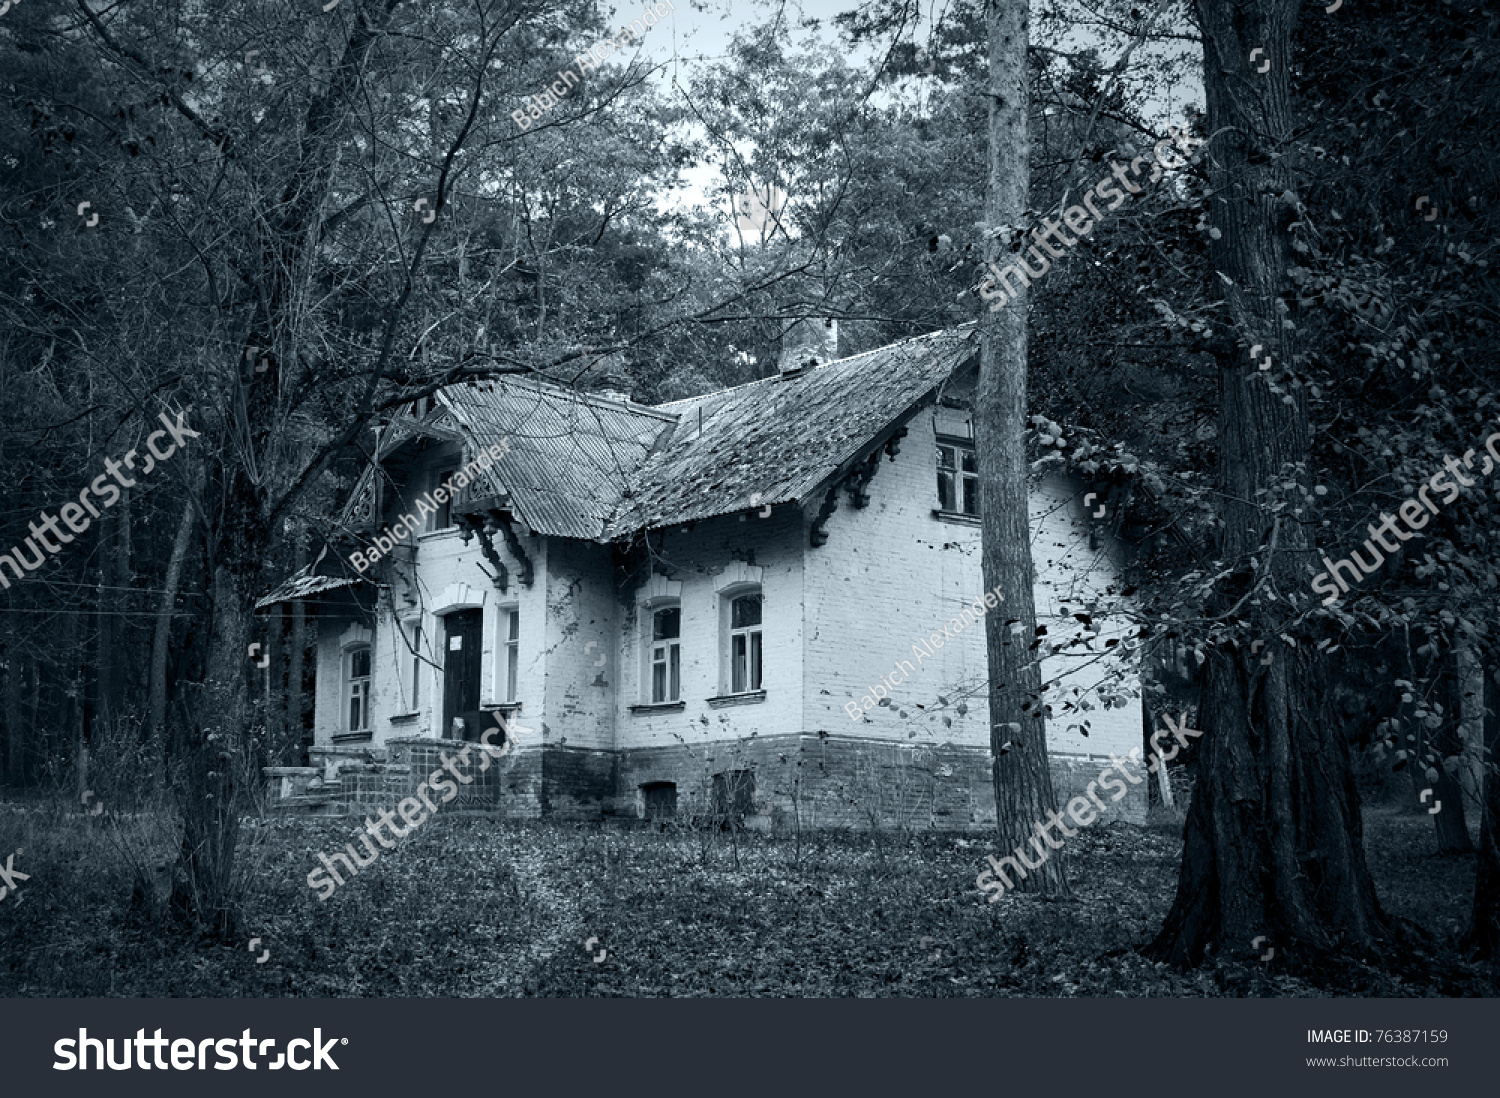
[(409, 648), (356, 687), (442, 515), (962, 484), (754, 645), (671, 661), (510, 647)]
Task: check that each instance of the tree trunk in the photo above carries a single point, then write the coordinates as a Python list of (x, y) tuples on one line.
[(295, 695), (35, 738), (106, 646), (75, 691), (1162, 794), (1163, 771), (277, 736), (1429, 772), (1168, 687), (215, 751), (1471, 727), (10, 764), (1165, 781), (1024, 798), (1272, 847), (123, 684), (157, 714), (1483, 936)]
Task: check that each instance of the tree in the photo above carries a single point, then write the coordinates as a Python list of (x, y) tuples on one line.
[(1024, 796), (1272, 844), (1483, 934), (278, 273)]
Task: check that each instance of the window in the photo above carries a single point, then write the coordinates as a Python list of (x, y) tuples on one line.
[(357, 690), (661, 800), (443, 518), (512, 654), (734, 796), (958, 478), (666, 655), (410, 655), (744, 644)]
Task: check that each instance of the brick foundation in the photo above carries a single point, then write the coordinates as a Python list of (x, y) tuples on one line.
[(798, 779), (848, 782), (577, 784)]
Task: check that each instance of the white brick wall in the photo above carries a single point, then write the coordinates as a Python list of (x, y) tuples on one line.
[(577, 703), (892, 574), (701, 557)]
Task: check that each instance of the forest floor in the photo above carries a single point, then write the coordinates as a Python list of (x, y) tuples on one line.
[(468, 906)]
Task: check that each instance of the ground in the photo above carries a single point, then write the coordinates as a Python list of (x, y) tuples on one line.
[(468, 906)]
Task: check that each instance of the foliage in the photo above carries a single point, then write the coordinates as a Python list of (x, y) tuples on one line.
[(470, 907)]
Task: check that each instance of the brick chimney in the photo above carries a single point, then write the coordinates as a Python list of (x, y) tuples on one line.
[(809, 342)]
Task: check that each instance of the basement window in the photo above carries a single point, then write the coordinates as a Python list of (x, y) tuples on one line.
[(734, 797), (660, 799)]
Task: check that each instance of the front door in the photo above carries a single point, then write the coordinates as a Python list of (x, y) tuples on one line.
[(463, 638)]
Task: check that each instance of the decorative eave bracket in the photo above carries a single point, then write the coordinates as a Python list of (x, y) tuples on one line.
[(482, 526), (855, 480), (526, 574), (497, 521)]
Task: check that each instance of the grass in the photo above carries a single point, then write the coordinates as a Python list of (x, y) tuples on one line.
[(468, 906)]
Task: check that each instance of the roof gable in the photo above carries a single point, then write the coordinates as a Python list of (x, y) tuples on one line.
[(777, 440)]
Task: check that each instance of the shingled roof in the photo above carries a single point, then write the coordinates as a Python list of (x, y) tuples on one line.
[(777, 440), (583, 466), (568, 456)]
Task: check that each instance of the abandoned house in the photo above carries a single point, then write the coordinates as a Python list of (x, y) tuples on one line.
[(678, 609)]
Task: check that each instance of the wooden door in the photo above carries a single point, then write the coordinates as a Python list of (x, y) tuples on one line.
[(463, 644)]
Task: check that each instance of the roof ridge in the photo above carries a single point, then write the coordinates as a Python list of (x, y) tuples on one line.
[(773, 378), (547, 385)]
